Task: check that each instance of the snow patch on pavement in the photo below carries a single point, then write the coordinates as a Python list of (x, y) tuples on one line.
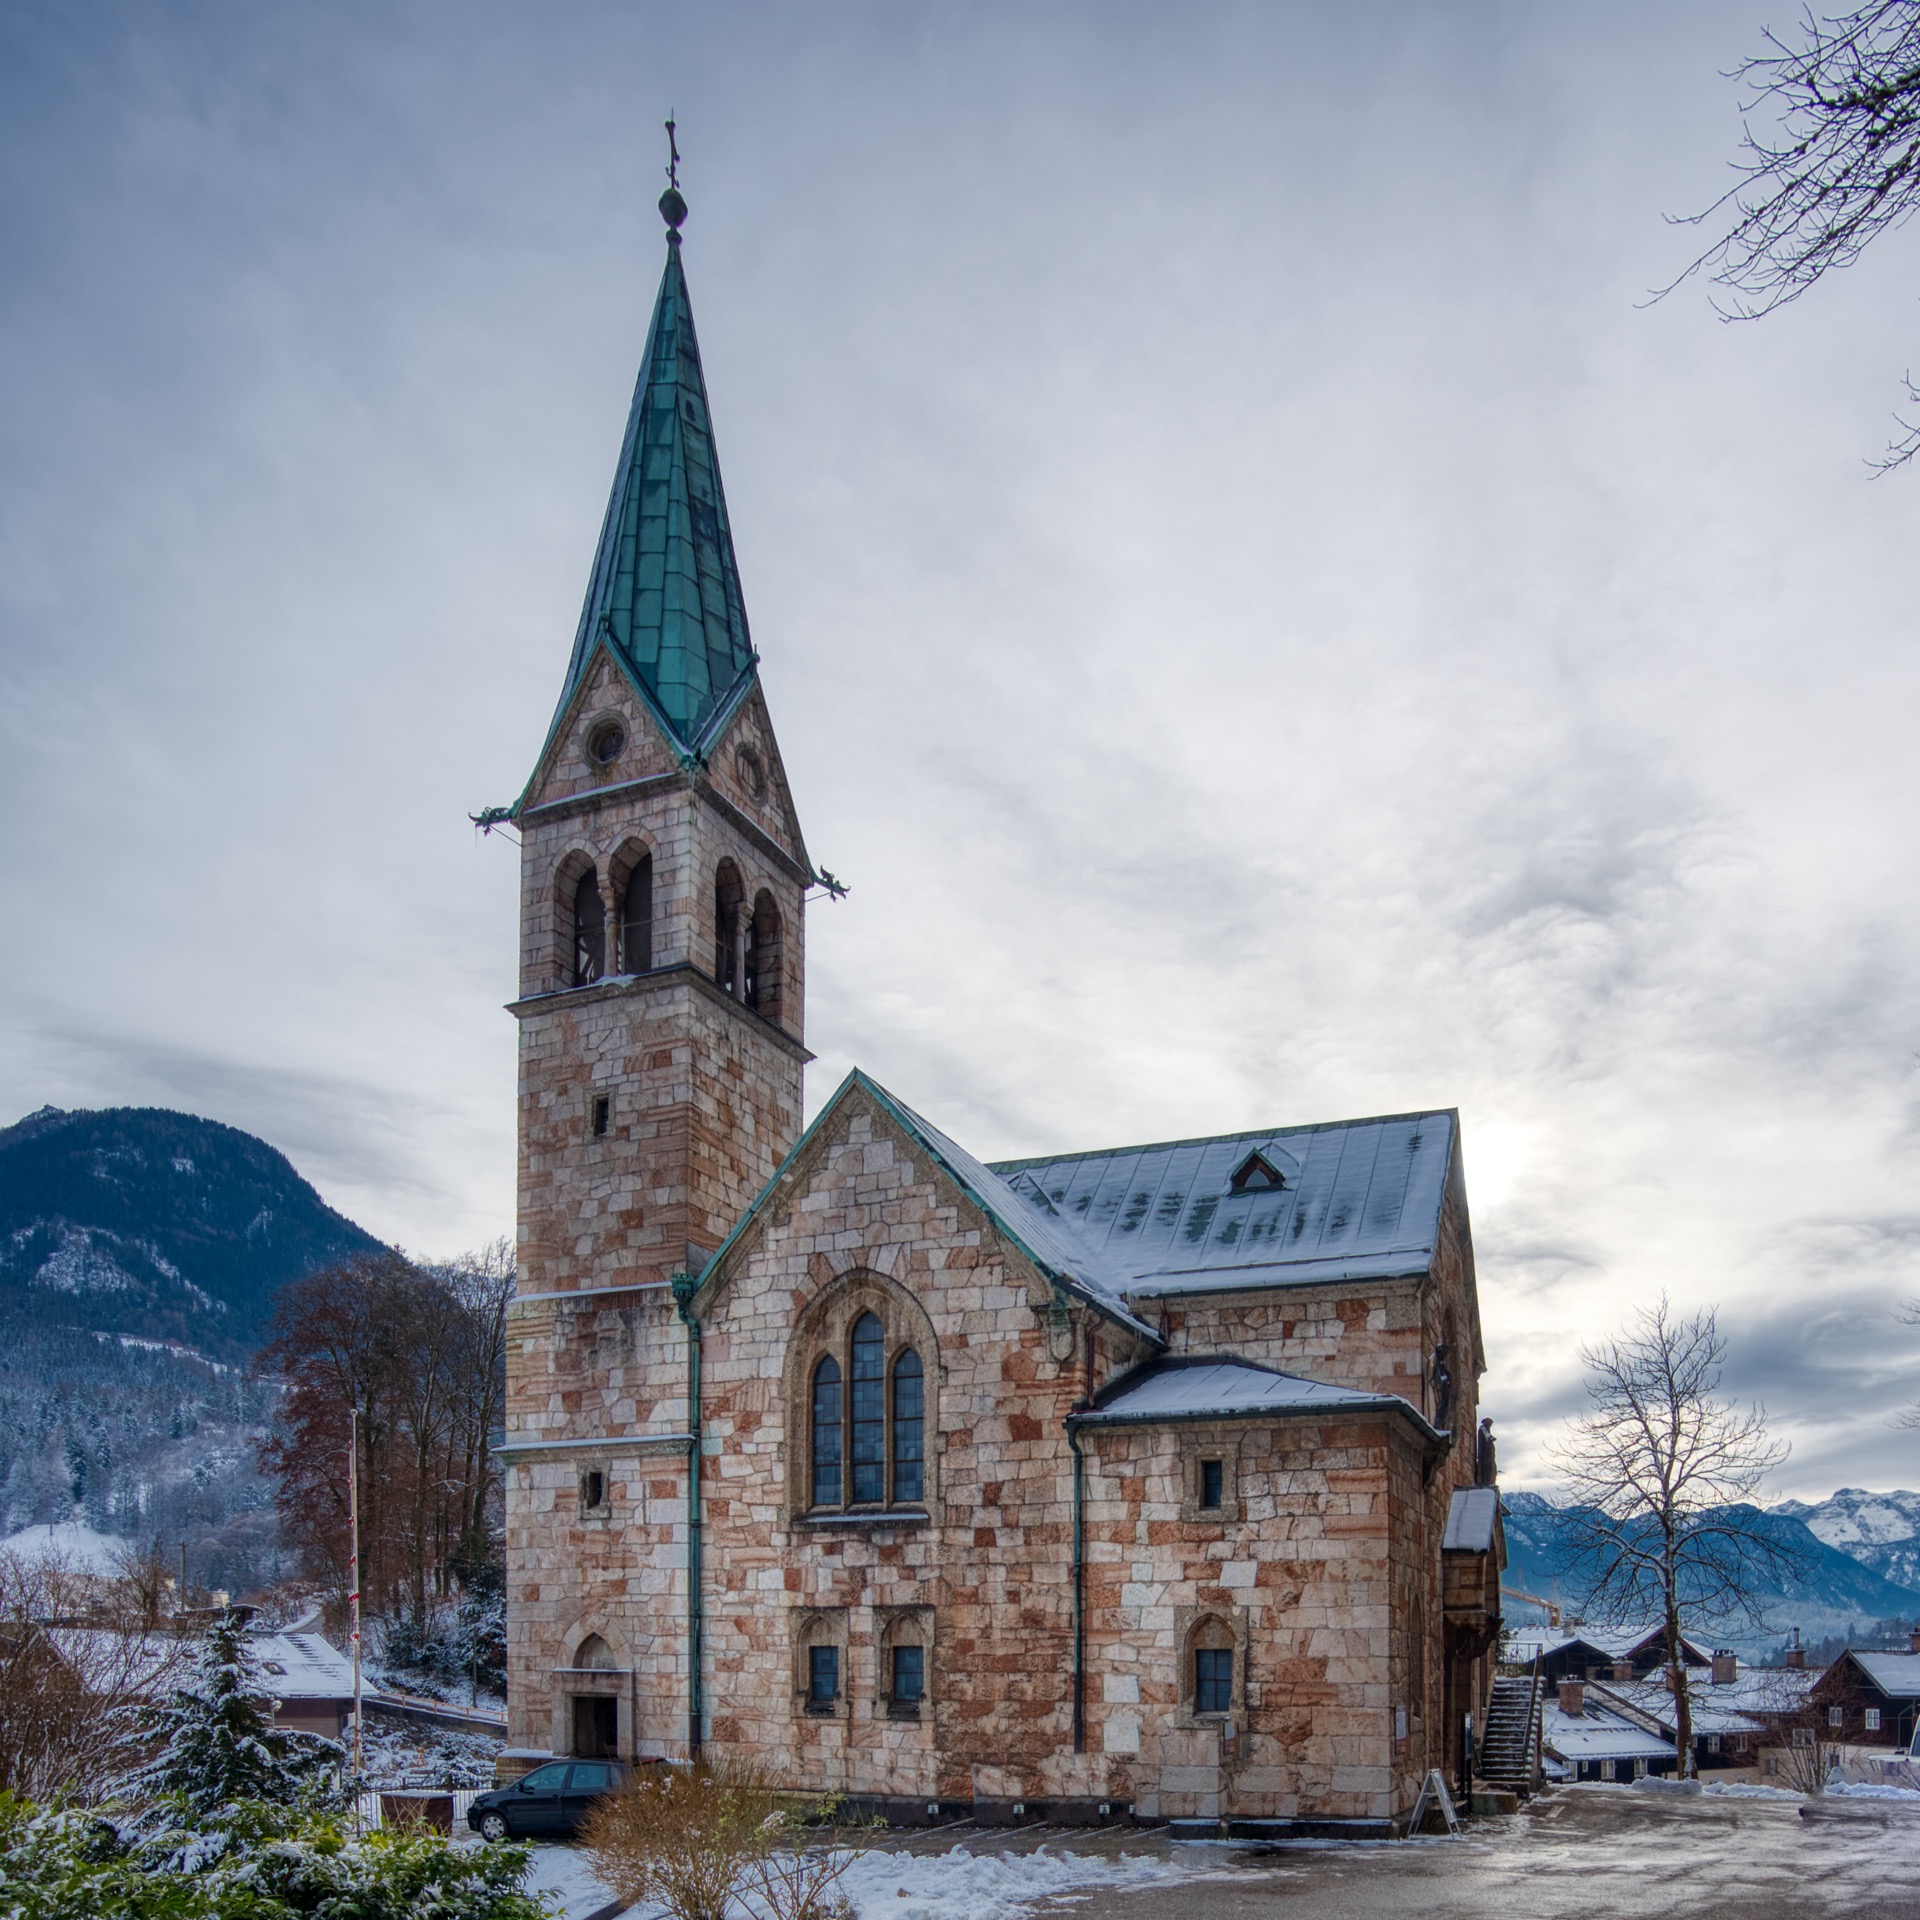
[(959, 1885), (884, 1885)]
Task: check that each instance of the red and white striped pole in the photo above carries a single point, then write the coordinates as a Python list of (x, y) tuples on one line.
[(353, 1588)]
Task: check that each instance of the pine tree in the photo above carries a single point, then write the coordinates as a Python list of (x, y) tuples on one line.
[(213, 1743)]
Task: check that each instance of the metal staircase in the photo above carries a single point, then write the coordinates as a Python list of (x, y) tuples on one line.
[(1509, 1754)]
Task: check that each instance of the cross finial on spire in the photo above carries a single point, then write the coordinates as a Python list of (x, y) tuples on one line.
[(673, 208)]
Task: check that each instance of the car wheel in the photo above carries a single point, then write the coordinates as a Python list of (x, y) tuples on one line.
[(493, 1826)]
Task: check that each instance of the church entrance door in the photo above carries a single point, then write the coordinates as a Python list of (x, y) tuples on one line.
[(596, 1727)]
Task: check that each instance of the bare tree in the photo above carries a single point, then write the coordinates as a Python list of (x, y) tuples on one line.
[(1835, 166), (1660, 1471), (419, 1353), (76, 1649)]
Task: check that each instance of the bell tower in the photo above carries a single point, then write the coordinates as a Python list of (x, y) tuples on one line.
[(663, 877)]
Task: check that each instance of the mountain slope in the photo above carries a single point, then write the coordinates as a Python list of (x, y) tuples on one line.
[(157, 1225), (1880, 1530), (1828, 1591), (140, 1253)]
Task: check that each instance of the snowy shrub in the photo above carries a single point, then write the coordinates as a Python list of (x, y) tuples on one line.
[(456, 1647), (269, 1864)]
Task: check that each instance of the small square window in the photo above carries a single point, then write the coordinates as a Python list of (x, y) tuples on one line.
[(909, 1676), (1212, 1485), (1873, 1719), (823, 1677), (593, 1490), (602, 1109), (1213, 1680), (1836, 1717)]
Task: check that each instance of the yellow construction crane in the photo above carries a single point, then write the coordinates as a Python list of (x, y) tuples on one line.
[(1539, 1600)]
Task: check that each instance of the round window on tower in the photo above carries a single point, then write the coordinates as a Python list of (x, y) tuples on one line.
[(606, 743), (753, 776)]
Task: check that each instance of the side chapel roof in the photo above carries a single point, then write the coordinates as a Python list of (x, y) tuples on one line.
[(664, 595), (1213, 1389)]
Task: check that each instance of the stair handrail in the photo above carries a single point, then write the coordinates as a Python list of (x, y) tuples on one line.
[(1535, 1737)]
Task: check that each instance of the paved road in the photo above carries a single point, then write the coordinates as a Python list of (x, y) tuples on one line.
[(1575, 1855)]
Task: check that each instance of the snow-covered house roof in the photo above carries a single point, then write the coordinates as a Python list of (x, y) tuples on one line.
[(1207, 1389), (1739, 1706), (1597, 1734), (302, 1666), (1897, 1675), (136, 1662), (1612, 1643)]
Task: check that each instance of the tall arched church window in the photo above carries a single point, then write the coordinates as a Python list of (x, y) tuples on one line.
[(863, 1405), (636, 918), (869, 1421), (909, 1428), (826, 1433), (589, 930)]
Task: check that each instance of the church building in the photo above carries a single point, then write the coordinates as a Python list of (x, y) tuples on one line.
[(1138, 1482)]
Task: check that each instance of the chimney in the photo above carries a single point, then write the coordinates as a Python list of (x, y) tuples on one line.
[(1913, 1641), (1623, 1669), (1726, 1666), (1796, 1653), (1573, 1698)]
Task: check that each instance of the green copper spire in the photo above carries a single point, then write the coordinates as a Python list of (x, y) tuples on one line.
[(665, 593)]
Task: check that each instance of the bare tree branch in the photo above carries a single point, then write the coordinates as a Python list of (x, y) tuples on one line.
[(1836, 164), (1661, 1472)]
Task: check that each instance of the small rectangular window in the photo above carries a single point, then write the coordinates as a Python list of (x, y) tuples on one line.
[(909, 1675), (602, 1108), (1873, 1719), (1212, 1485), (1213, 1680), (823, 1676), (593, 1490), (1836, 1717), (1713, 1743)]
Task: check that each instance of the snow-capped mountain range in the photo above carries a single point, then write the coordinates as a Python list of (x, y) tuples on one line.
[(1880, 1530)]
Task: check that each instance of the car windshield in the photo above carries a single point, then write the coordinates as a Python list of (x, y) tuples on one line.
[(545, 1779)]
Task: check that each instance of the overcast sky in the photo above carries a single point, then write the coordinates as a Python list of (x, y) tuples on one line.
[(1271, 624)]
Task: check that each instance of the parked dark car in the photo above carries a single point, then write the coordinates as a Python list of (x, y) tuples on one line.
[(550, 1803)]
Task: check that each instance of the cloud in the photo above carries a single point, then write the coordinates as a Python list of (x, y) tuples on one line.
[(1273, 629)]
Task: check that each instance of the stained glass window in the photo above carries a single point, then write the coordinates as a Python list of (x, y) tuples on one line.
[(826, 1433)]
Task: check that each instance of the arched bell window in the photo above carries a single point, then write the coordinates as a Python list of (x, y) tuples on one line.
[(636, 918), (589, 930), (763, 957), (732, 930)]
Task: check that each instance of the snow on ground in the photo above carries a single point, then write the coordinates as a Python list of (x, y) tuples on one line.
[(567, 1873), (71, 1541), (1865, 1790), (960, 1885), (887, 1885)]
